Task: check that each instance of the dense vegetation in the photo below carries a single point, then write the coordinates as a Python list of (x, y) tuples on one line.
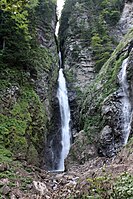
[(18, 25), (23, 57)]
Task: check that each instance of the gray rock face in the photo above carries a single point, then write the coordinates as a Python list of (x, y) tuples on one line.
[(111, 134), (102, 105), (46, 37), (53, 145), (125, 23), (81, 66), (46, 23), (117, 116), (46, 84), (77, 58), (81, 151)]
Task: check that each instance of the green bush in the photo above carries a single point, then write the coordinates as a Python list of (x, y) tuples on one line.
[(123, 187)]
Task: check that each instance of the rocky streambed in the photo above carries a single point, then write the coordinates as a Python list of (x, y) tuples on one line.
[(98, 177)]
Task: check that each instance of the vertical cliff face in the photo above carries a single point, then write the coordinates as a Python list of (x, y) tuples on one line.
[(116, 109), (86, 44), (29, 70), (125, 23), (89, 33)]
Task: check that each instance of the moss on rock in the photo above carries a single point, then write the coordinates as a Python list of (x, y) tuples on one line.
[(105, 84), (23, 116)]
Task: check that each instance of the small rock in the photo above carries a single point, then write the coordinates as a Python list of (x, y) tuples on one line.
[(40, 187), (5, 190), (47, 197), (29, 186), (3, 167), (70, 177), (13, 196), (58, 176), (55, 187), (17, 193), (4, 181)]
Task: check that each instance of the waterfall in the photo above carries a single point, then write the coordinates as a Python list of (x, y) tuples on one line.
[(126, 106), (65, 118)]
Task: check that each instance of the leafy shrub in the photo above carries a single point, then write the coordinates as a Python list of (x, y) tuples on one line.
[(123, 187)]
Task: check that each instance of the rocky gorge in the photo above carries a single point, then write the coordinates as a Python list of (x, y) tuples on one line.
[(96, 41)]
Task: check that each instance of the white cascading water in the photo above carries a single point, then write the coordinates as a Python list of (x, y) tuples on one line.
[(65, 118), (126, 106)]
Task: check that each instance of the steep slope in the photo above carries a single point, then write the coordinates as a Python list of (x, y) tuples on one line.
[(89, 33), (86, 44), (28, 66), (102, 107)]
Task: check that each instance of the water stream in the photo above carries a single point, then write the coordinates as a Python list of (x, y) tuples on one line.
[(63, 103), (126, 106), (65, 118)]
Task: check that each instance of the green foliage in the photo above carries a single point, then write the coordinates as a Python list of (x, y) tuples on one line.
[(23, 123), (105, 187), (11, 173), (123, 187), (17, 10), (14, 38), (23, 117), (111, 10), (12, 133), (67, 10), (5, 154), (18, 35), (92, 124), (101, 50), (41, 58), (24, 182)]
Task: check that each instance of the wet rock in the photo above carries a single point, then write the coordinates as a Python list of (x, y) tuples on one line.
[(107, 142)]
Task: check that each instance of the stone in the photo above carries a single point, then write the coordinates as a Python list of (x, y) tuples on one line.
[(80, 151), (3, 167), (13, 196), (106, 134), (4, 181), (5, 190), (40, 187)]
